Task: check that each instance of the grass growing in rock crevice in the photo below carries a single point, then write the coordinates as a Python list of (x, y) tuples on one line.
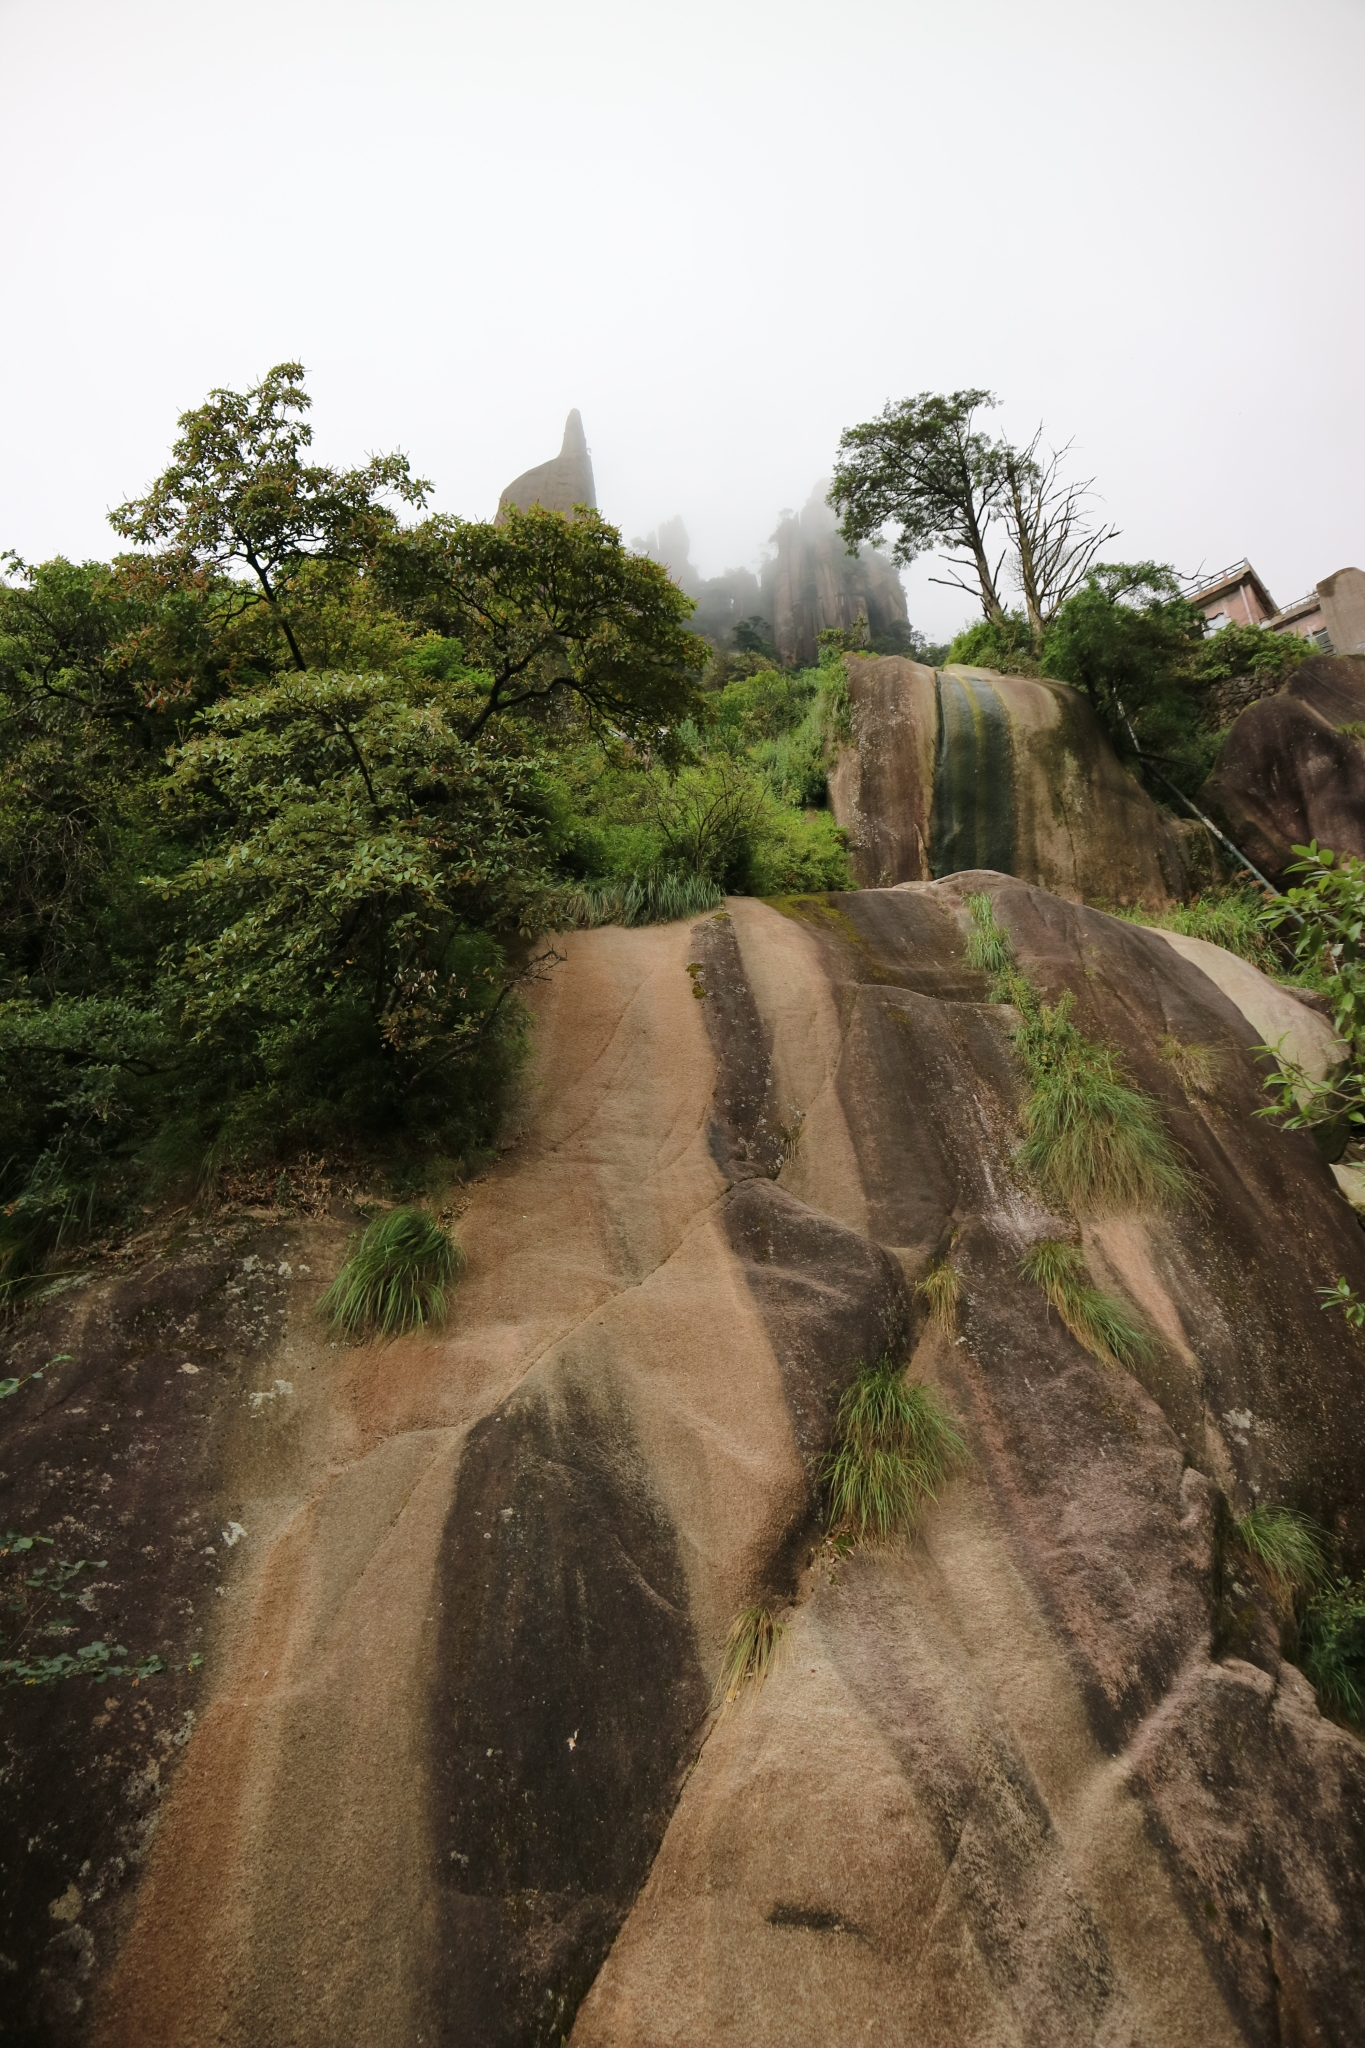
[(751, 1651), (941, 1289), (895, 1447), (1092, 1141), (395, 1278), (1284, 1548), (1324, 1616), (1098, 1321)]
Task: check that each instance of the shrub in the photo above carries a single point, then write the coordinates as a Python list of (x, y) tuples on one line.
[(1285, 1548), (1091, 1140), (1096, 1320), (751, 1650), (1332, 1649), (395, 1278), (941, 1287), (894, 1448)]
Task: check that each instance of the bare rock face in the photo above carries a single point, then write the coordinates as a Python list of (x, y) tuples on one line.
[(961, 768), (1288, 771), (1039, 1776), (813, 582), (558, 485)]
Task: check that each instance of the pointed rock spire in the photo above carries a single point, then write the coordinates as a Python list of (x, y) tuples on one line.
[(558, 485)]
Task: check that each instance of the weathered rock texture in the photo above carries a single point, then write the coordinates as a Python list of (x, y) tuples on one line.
[(960, 768), (558, 485), (1039, 1777), (1288, 773)]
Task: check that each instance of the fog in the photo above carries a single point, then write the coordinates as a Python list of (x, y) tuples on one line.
[(724, 232)]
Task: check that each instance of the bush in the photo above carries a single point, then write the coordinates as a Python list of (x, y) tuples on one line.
[(395, 1278), (1096, 1320), (895, 1447), (1332, 1649), (751, 1651)]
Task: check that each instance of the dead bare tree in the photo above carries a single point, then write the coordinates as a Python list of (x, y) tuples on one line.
[(1054, 535)]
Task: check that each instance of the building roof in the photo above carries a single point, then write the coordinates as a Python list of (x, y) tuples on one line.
[(1234, 578)]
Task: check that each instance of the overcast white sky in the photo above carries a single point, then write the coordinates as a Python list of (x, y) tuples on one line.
[(724, 231)]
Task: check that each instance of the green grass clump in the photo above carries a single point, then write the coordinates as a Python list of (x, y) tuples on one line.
[(1332, 1649), (751, 1650), (895, 1447), (656, 896), (395, 1278), (1231, 918), (988, 947), (1096, 1320), (1285, 1548), (1091, 1141), (941, 1287)]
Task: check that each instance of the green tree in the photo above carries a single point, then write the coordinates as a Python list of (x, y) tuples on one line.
[(924, 467), (353, 932), (552, 609), (239, 499)]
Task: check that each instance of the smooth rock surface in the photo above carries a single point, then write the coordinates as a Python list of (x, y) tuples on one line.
[(959, 768)]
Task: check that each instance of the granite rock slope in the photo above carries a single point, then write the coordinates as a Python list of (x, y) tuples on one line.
[(960, 768), (1039, 1775)]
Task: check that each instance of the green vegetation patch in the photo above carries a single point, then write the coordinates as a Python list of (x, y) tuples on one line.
[(1091, 1140), (1100, 1322), (895, 1447), (941, 1289), (751, 1651), (396, 1277)]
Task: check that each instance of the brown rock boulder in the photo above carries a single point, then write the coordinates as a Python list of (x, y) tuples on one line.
[(962, 768), (448, 1775), (1288, 773)]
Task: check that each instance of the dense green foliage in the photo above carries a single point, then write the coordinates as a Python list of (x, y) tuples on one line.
[(1322, 917), (291, 792), (1134, 645)]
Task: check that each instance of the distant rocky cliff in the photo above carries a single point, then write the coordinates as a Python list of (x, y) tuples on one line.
[(807, 584)]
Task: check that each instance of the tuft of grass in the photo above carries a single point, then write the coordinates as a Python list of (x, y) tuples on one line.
[(751, 1650), (941, 1288), (1091, 1141), (894, 1448), (1231, 918), (1332, 1649), (395, 1278), (1099, 1322), (988, 947), (1285, 1548), (653, 896)]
